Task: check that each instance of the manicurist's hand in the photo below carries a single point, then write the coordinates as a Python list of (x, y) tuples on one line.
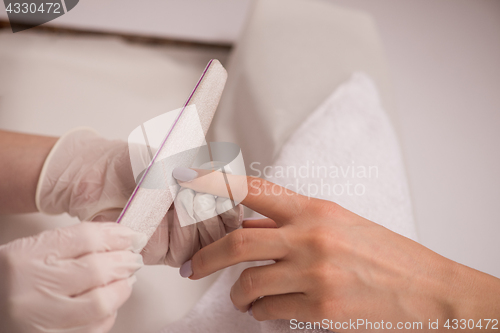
[(71, 279), (172, 243), (333, 264)]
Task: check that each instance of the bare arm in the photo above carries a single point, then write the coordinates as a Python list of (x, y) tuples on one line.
[(21, 160)]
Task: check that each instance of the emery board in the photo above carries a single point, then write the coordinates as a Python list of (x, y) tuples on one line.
[(148, 204)]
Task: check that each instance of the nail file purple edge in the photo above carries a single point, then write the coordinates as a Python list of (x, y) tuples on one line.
[(129, 202), (148, 205)]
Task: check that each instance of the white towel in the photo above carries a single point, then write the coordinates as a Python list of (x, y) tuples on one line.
[(349, 130)]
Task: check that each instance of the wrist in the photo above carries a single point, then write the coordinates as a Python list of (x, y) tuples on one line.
[(443, 290), (476, 295)]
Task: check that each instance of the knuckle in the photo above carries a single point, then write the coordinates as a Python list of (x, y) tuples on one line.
[(325, 208), (321, 273), (247, 282), (322, 240), (236, 243)]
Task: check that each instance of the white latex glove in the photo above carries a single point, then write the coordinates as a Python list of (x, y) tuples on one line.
[(173, 244), (70, 279), (85, 174), (91, 177)]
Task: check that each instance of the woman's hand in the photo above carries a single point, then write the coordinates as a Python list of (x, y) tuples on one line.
[(71, 279), (333, 264)]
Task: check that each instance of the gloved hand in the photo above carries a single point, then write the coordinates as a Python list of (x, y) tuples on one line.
[(90, 177), (85, 174), (70, 279), (173, 244)]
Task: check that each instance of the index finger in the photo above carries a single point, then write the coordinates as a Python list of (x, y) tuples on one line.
[(264, 197), (241, 245)]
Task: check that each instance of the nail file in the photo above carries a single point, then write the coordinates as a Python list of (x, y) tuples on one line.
[(148, 204)]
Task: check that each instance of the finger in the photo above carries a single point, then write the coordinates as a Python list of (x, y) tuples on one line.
[(155, 251), (183, 241), (254, 282), (231, 216), (102, 302), (258, 194), (239, 246), (210, 230), (259, 223), (209, 181), (288, 306), (77, 276), (87, 237)]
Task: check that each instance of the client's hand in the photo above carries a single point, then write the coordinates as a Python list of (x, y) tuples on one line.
[(333, 264), (91, 177)]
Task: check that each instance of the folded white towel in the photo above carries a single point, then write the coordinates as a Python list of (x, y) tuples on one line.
[(349, 131)]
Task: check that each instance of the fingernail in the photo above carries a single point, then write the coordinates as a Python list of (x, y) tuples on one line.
[(184, 174), (139, 241), (250, 312), (186, 270), (131, 280), (234, 306)]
